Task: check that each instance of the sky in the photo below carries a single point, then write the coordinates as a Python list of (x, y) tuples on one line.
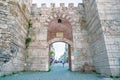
[(56, 2), (59, 49)]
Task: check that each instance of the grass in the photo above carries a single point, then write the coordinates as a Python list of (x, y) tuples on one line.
[(96, 72), (13, 73), (49, 70), (114, 76)]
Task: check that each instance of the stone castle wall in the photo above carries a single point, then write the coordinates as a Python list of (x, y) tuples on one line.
[(96, 38), (14, 17), (39, 48), (109, 12), (103, 23), (94, 35), (90, 34)]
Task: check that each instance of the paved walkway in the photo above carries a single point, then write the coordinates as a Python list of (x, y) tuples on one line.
[(58, 72)]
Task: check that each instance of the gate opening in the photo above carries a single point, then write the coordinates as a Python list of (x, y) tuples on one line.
[(59, 55)]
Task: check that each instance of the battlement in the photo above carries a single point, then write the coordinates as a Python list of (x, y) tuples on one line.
[(70, 5)]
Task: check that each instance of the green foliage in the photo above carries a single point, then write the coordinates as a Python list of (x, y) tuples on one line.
[(11, 74), (114, 76), (96, 72), (49, 70), (29, 24), (51, 53), (23, 71), (4, 76), (27, 42), (111, 76), (117, 76), (40, 14)]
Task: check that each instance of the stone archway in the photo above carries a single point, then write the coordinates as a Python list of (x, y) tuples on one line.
[(70, 47), (60, 30)]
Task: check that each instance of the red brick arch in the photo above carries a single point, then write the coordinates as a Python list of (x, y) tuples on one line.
[(63, 27), (61, 40)]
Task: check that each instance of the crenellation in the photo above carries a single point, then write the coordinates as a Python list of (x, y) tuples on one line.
[(62, 4), (71, 5), (52, 5), (43, 5), (81, 6), (34, 5), (44, 10)]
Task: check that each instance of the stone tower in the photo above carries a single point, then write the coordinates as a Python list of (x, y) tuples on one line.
[(102, 24), (14, 17), (48, 22)]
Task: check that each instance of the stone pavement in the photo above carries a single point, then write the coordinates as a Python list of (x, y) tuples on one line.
[(58, 72)]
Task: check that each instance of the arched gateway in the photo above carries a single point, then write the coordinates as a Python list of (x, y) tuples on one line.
[(69, 47), (86, 34), (60, 30)]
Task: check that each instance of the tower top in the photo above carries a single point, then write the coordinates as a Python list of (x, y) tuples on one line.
[(57, 2), (44, 5)]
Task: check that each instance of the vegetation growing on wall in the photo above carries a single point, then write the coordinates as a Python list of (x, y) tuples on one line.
[(28, 39), (27, 42), (29, 24), (40, 14)]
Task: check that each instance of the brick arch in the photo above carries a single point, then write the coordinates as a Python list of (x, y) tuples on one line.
[(61, 40), (70, 47), (62, 28)]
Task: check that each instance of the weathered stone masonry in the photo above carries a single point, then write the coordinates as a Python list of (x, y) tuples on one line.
[(92, 29), (14, 18), (103, 25), (110, 23), (44, 30)]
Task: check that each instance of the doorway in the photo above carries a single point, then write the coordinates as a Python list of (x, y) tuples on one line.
[(59, 55)]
